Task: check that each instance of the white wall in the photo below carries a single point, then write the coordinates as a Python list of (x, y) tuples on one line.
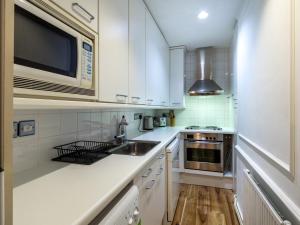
[(264, 60)]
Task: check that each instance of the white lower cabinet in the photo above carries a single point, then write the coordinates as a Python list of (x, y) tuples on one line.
[(151, 183)]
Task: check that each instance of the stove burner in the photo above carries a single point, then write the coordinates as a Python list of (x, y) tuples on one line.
[(203, 128)]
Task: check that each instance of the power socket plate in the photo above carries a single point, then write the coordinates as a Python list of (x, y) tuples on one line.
[(137, 116)]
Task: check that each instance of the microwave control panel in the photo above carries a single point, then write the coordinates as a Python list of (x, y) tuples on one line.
[(87, 62)]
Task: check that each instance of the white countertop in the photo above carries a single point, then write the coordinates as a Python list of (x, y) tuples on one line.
[(76, 194)]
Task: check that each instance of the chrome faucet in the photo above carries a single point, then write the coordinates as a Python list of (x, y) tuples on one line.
[(122, 134)]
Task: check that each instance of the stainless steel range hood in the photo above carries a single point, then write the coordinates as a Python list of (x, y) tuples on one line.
[(205, 85)]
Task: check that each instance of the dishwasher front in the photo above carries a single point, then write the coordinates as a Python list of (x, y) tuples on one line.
[(126, 211)]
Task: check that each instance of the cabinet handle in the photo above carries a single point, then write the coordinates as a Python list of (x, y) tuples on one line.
[(78, 8), (119, 95), (150, 100), (160, 171), (152, 182), (138, 98), (176, 103), (148, 173)]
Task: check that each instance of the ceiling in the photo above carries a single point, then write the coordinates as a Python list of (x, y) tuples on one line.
[(180, 25)]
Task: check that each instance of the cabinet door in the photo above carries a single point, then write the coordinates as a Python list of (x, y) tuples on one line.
[(137, 52), (113, 49), (85, 11), (153, 61), (165, 75), (157, 65), (153, 202), (177, 77)]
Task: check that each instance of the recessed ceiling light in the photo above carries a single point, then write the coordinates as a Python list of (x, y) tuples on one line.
[(203, 15)]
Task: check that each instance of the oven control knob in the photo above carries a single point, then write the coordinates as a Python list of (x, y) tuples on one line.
[(206, 138), (130, 221)]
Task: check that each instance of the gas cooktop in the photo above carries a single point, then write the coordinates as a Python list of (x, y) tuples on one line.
[(203, 128)]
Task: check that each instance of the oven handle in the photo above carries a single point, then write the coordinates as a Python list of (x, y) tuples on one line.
[(204, 142)]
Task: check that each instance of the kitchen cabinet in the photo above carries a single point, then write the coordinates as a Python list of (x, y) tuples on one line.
[(151, 183), (177, 77), (165, 76), (157, 65), (137, 52), (113, 50), (85, 11)]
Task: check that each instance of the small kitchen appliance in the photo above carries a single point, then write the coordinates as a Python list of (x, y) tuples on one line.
[(52, 56), (163, 121), (148, 123)]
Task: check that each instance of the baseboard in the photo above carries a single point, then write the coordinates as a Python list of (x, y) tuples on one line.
[(237, 210), (197, 179)]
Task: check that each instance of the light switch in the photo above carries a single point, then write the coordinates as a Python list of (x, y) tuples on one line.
[(26, 128)]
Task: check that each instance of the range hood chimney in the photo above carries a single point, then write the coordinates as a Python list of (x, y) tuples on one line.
[(205, 85)]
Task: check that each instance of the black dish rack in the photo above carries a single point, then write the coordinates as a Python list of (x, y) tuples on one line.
[(83, 152)]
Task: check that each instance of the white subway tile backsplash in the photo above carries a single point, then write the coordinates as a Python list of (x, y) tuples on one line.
[(68, 122), (54, 128), (25, 154), (114, 123), (49, 124), (96, 120), (45, 149), (84, 121)]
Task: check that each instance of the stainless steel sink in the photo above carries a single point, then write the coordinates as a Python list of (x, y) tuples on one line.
[(134, 148)]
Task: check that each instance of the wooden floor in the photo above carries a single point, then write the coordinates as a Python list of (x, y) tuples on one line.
[(199, 205)]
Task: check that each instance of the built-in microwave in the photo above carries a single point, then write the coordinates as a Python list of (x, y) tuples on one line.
[(51, 57)]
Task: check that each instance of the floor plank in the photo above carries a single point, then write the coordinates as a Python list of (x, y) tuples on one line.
[(200, 205)]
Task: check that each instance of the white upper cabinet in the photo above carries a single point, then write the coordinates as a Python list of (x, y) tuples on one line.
[(165, 74), (137, 52), (85, 11), (177, 77), (157, 65), (113, 50)]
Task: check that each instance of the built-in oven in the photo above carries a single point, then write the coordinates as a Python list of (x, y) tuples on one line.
[(52, 55), (204, 151)]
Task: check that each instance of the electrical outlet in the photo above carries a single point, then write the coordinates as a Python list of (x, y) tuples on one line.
[(138, 116), (26, 128), (15, 129)]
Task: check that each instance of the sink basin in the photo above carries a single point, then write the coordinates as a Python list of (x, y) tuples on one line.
[(134, 148)]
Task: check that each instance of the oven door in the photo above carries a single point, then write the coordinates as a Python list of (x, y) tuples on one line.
[(203, 155)]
